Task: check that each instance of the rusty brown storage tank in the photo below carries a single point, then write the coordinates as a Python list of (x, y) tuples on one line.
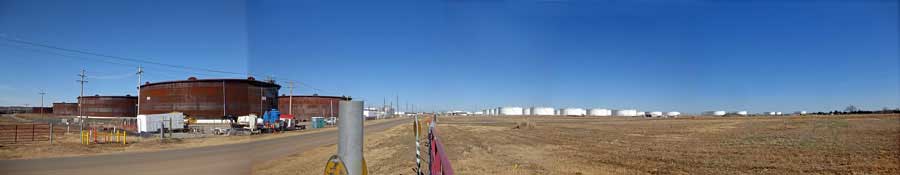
[(108, 106), (209, 98), (65, 108), (308, 106)]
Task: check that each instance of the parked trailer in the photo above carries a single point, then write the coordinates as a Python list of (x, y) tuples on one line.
[(153, 122)]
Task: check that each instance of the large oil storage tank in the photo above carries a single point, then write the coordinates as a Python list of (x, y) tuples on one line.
[(511, 111), (304, 107), (526, 111), (209, 98), (65, 108), (573, 112), (656, 114), (542, 111), (742, 113), (625, 112), (673, 114), (600, 112), (715, 113), (108, 106)]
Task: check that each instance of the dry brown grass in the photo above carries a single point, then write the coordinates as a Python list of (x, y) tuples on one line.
[(386, 152), (609, 145)]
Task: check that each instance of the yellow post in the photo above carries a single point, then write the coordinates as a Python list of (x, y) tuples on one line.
[(124, 138)]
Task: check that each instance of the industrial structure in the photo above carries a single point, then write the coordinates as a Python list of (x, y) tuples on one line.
[(65, 108), (304, 107), (511, 111), (209, 98), (542, 111), (108, 106), (573, 112), (600, 112), (715, 113), (625, 112)]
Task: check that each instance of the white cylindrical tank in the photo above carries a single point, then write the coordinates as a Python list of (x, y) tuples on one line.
[(778, 113), (573, 111), (511, 111), (673, 114), (542, 111), (526, 111), (715, 113), (625, 112), (656, 114), (800, 113), (557, 112), (768, 113), (719, 113), (743, 113), (600, 112)]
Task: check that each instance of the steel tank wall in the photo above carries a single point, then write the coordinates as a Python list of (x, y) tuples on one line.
[(600, 112), (209, 98), (306, 107), (510, 111), (65, 108), (108, 106)]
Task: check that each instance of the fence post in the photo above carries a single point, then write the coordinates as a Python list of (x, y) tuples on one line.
[(51, 132), (32, 131), (16, 134)]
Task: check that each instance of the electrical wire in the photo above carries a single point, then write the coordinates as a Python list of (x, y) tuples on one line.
[(19, 41)]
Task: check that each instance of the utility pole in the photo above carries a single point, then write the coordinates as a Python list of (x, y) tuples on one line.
[(140, 74), (82, 81), (42, 103), (291, 98), (80, 111)]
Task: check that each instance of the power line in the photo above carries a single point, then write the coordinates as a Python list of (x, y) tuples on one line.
[(317, 90), (113, 57)]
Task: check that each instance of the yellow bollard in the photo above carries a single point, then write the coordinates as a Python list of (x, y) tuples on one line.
[(124, 138)]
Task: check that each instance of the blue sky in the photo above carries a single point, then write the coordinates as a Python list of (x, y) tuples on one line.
[(687, 56)]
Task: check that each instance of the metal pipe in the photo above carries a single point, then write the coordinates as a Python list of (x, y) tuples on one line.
[(350, 136)]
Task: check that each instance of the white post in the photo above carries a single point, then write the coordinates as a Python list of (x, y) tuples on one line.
[(350, 136)]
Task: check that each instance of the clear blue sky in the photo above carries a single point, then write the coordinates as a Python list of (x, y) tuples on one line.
[(651, 55)]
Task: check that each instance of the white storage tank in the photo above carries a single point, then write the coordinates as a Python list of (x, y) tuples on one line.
[(557, 112), (510, 111), (656, 114), (573, 111), (800, 113), (527, 111), (626, 112), (600, 112), (769, 113), (673, 114), (715, 113), (778, 113), (742, 113), (543, 111)]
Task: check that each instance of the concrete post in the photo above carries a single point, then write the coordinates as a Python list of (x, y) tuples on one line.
[(350, 135), (51, 132)]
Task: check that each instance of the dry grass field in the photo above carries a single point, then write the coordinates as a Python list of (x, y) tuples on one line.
[(867, 144)]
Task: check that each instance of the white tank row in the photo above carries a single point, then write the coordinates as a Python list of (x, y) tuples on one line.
[(544, 111)]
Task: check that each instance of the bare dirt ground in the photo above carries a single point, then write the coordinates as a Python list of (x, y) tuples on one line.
[(861, 144), (67, 145)]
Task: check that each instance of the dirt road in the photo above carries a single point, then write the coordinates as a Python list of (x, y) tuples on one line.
[(222, 159)]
